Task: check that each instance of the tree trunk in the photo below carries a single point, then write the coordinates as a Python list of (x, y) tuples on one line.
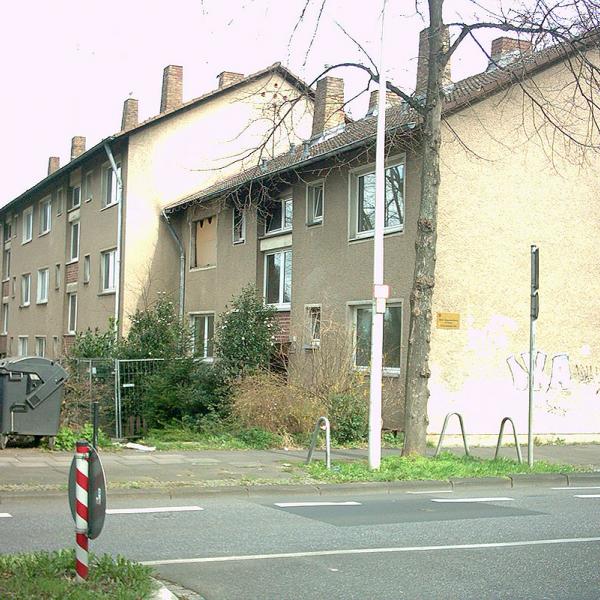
[(417, 370)]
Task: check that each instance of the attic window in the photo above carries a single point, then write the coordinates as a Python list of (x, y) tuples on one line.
[(204, 234)]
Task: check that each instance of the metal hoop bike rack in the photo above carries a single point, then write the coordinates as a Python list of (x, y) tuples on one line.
[(504, 421), (462, 430), (313, 441)]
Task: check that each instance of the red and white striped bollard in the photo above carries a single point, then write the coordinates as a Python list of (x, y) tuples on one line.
[(81, 510)]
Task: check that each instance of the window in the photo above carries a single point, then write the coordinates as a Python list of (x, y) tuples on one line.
[(40, 346), (75, 197), (6, 265), (7, 230), (392, 336), (72, 313), (57, 276), (27, 224), (278, 278), (315, 194), (280, 218), (239, 225), (111, 193), (86, 268), (26, 289), (205, 242), (87, 187), (74, 241), (59, 201), (5, 319), (363, 202), (313, 321), (42, 286), (23, 350), (204, 331), (45, 216), (108, 273)]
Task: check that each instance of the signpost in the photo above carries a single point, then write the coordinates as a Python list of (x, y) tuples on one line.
[(533, 315)]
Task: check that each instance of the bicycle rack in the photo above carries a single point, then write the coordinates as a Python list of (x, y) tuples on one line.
[(462, 430), (519, 457), (313, 441)]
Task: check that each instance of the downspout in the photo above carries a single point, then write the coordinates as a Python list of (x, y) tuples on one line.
[(181, 264), (117, 175)]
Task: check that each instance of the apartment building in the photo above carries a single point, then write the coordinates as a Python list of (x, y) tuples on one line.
[(88, 242), (300, 227)]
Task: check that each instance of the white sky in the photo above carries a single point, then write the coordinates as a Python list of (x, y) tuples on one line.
[(67, 66)]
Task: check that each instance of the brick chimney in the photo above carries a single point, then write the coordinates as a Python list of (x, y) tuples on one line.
[(329, 104), (423, 60), (53, 164), (77, 146), (130, 114), (228, 78), (391, 99), (506, 49), (172, 88)]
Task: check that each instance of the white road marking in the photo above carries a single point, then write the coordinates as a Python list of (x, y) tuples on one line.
[(503, 499), (433, 492), (583, 487), (155, 509), (5, 515), (587, 495), (297, 504), (212, 559)]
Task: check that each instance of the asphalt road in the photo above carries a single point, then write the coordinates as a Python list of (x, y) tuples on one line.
[(533, 543)]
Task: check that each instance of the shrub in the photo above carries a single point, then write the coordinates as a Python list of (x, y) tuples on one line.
[(349, 417), (245, 334), (94, 344), (66, 437)]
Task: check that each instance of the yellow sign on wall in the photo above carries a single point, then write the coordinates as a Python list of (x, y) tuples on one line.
[(448, 321)]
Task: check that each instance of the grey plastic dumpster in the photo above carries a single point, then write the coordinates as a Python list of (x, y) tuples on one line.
[(31, 390)]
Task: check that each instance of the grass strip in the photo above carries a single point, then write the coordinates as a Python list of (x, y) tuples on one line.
[(51, 575), (445, 466)]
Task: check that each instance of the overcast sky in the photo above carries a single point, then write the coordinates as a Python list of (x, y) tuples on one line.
[(67, 66)]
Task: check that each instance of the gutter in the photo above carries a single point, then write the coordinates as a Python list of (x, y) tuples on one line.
[(117, 175), (179, 245)]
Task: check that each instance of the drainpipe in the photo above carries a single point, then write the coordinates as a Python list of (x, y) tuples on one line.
[(117, 175), (181, 264)]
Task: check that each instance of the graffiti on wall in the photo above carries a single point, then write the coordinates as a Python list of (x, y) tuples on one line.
[(558, 378)]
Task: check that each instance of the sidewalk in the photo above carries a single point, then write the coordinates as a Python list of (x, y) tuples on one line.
[(31, 470)]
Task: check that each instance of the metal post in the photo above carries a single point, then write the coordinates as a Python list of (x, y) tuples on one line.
[(533, 315), (118, 425), (81, 511), (378, 310)]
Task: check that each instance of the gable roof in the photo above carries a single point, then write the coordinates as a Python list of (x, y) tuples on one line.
[(359, 133), (275, 69)]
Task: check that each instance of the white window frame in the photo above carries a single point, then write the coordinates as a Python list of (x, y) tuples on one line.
[(283, 228), (72, 205), (59, 201), (354, 306), (311, 219), (27, 225), (45, 215), (353, 198), (57, 276), (242, 238), (5, 317), (313, 341), (42, 291), (111, 255), (205, 339), (72, 225), (111, 194), (87, 183), (23, 345), (279, 305), (87, 267), (71, 322), (6, 257), (40, 339), (25, 298)]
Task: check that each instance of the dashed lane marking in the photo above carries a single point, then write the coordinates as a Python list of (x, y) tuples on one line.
[(153, 509), (432, 492), (301, 504), (5, 515), (587, 495), (499, 499), (582, 487)]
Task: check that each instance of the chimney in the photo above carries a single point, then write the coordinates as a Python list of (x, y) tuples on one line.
[(130, 114), (77, 146), (53, 164), (506, 49), (172, 88), (391, 99), (329, 105), (228, 78), (423, 60)]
